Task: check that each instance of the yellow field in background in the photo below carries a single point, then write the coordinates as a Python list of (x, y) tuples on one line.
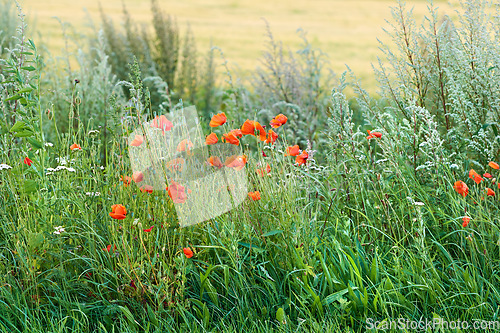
[(347, 30)]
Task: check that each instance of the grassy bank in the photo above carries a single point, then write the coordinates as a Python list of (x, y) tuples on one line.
[(369, 209)]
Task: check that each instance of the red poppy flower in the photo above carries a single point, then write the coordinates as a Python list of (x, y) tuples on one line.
[(466, 221), (302, 158), (177, 192), (75, 146), (218, 120), (461, 188), (278, 121), (211, 139), (236, 162), (215, 162), (372, 135), (292, 151), (126, 180), (146, 188), (162, 123), (237, 133), (108, 248), (264, 154), (264, 171), (254, 195), (137, 140), (490, 192), (149, 229), (475, 176), (494, 165), (118, 212), (187, 252), (230, 138), (249, 127), (137, 176), (487, 175), (185, 145), (272, 137), (27, 161)]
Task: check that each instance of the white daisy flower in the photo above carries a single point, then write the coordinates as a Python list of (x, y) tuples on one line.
[(59, 230)]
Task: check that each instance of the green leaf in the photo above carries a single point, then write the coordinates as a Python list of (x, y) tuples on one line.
[(251, 247), (19, 125), (317, 305), (280, 316), (4, 128), (24, 133), (272, 232), (335, 296), (374, 269), (35, 240), (30, 186), (35, 143), (13, 98), (28, 68), (152, 317), (129, 316), (25, 90)]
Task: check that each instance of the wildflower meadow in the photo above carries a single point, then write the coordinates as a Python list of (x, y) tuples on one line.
[(146, 187)]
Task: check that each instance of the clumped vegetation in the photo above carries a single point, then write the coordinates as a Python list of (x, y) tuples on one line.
[(381, 211)]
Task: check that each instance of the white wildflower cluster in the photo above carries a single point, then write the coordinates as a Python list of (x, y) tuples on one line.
[(50, 171), (65, 160), (60, 229), (93, 194), (49, 144), (415, 203), (97, 167), (5, 166)]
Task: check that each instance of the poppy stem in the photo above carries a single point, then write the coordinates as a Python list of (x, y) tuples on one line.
[(326, 218)]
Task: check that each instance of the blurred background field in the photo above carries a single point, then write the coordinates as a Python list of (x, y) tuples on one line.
[(346, 30)]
